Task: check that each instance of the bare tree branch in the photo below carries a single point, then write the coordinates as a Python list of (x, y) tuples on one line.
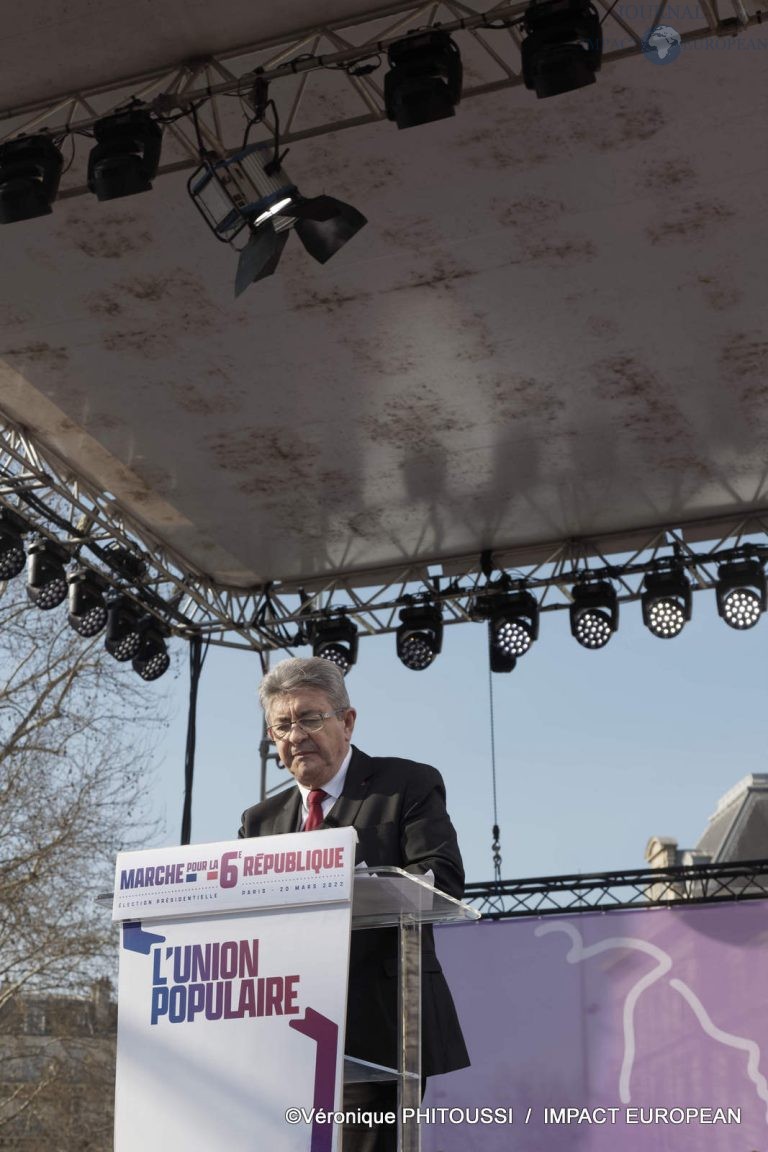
[(77, 731)]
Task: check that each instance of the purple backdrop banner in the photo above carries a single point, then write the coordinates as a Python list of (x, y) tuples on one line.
[(639, 1030)]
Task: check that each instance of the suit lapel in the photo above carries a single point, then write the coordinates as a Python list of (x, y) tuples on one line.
[(285, 807), (344, 812), (286, 815)]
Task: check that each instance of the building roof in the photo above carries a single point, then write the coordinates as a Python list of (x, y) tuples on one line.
[(738, 829)]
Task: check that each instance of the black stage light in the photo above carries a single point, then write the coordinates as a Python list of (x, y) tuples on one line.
[(126, 155), (666, 602), (12, 555), (87, 609), (513, 625), (124, 561), (46, 577), (123, 637), (30, 168), (594, 613), (419, 636), (563, 46), (335, 640), (250, 191), (741, 593), (424, 81), (152, 658)]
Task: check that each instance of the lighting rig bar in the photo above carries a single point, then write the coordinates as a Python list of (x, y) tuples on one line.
[(603, 891), (57, 507), (460, 588), (102, 540), (349, 50)]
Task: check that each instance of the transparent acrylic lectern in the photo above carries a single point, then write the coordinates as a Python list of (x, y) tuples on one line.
[(390, 897)]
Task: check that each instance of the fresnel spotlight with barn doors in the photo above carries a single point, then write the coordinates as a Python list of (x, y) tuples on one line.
[(250, 194)]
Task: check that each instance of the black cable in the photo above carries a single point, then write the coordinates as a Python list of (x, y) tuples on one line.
[(162, 118), (275, 163), (196, 659), (196, 125), (258, 118), (608, 12), (496, 845)]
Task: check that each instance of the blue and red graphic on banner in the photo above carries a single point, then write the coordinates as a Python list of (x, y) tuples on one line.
[(230, 1020)]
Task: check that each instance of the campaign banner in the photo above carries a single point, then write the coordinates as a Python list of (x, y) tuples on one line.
[(640, 1030), (231, 1027), (269, 871)]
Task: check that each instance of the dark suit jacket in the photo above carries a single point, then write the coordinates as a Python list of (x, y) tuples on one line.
[(398, 809)]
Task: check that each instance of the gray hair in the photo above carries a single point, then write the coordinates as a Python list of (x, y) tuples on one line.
[(307, 672)]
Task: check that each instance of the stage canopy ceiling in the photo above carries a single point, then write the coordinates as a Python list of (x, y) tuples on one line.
[(552, 327)]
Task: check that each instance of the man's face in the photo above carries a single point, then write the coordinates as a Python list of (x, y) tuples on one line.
[(312, 757)]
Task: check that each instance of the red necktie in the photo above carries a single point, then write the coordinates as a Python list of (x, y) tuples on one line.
[(315, 807)]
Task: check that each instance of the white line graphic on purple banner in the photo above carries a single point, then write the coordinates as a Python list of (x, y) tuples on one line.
[(578, 952), (711, 1029)]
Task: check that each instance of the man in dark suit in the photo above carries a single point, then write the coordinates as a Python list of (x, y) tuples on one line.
[(398, 809)]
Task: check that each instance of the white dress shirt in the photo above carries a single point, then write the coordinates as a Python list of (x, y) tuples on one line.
[(332, 790)]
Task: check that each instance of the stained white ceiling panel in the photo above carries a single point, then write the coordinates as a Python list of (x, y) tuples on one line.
[(553, 325)]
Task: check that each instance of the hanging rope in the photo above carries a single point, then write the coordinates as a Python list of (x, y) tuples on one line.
[(496, 845), (196, 658)]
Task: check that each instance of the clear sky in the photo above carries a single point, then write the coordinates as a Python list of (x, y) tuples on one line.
[(595, 751)]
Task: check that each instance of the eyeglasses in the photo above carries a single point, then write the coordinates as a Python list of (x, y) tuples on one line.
[(312, 722)]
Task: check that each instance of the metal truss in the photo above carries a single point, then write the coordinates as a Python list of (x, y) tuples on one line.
[(56, 505), (98, 535), (335, 65), (460, 586), (638, 888)]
